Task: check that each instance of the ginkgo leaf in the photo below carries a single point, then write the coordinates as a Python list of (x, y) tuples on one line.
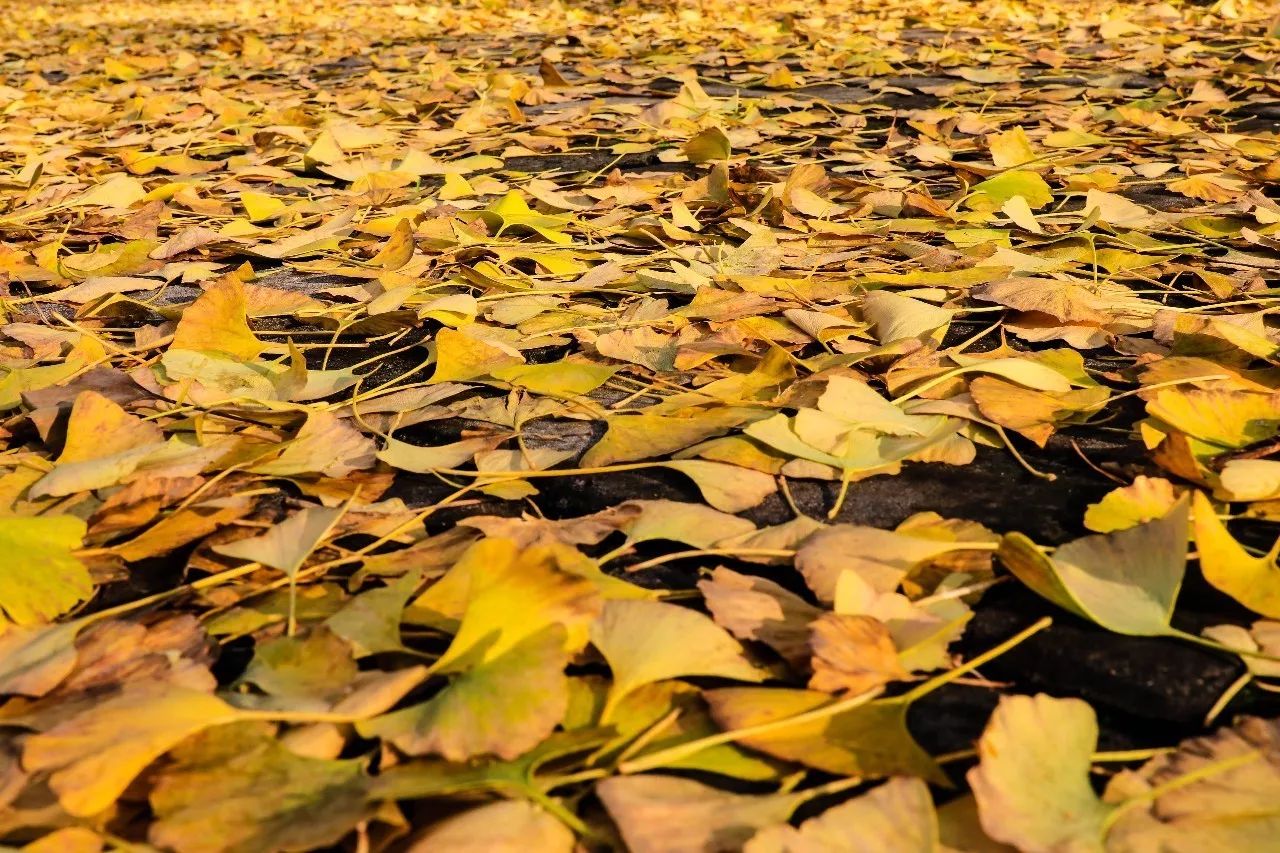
[(1125, 581), (645, 436), (647, 641), (1023, 371), (1020, 214), (512, 211), (858, 404), (1034, 414), (1011, 148), (95, 754), (504, 706), (898, 317), (728, 488), (501, 595), (678, 708), (1251, 479), (1229, 419), (565, 378), (691, 524), (754, 608), (706, 145), (853, 653), (1252, 581), (117, 191), (69, 839), (370, 622), (286, 545), (398, 249), (318, 665), (237, 788), (998, 190), (1217, 792), (1033, 790), (461, 357), (896, 817), (870, 740), (505, 826), (920, 634), (104, 445), (1117, 210), (34, 660), (666, 814), (260, 207), (216, 322), (1143, 500), (881, 557), (40, 577), (324, 444), (424, 460)]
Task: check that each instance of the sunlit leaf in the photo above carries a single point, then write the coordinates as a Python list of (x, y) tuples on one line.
[(647, 641), (1034, 791)]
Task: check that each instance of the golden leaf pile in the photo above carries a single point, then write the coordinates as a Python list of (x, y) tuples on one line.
[(452, 426)]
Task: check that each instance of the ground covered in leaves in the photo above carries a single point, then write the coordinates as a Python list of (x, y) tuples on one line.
[(669, 426)]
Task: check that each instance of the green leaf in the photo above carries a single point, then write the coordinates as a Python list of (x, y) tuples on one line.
[(1126, 581), (996, 191), (503, 707), (236, 789), (318, 665), (869, 740), (286, 545)]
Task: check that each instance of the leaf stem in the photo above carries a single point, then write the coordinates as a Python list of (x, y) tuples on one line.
[(684, 750), (712, 552), (970, 665)]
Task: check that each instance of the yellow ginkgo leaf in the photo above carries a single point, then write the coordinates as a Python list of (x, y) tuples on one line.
[(398, 249), (261, 207), (461, 357), (1019, 212), (1252, 581), (994, 192), (104, 445), (40, 577), (95, 754), (648, 641), (500, 595), (116, 191), (1011, 148), (1143, 500), (217, 322)]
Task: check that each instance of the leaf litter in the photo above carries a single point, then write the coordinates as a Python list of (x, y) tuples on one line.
[(664, 427)]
